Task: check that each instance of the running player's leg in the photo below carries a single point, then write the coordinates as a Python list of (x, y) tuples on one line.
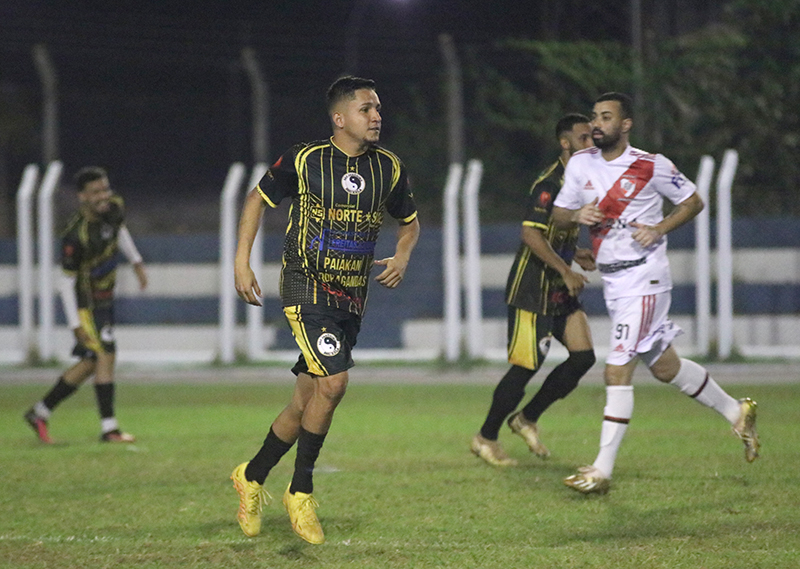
[(632, 321), (326, 338), (525, 356), (574, 333), (694, 380), (284, 430)]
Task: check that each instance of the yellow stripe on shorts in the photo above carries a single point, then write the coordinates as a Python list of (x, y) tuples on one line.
[(87, 323), (315, 366), (522, 348)]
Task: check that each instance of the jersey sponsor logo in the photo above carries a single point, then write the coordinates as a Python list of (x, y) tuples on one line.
[(349, 215), (588, 186), (678, 179), (328, 344), (106, 231), (349, 242), (334, 264), (353, 183), (619, 348)]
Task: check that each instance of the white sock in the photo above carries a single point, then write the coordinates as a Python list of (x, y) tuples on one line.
[(41, 410), (109, 424), (616, 416), (693, 380)]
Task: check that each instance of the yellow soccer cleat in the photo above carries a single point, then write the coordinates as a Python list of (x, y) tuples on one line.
[(252, 497), (588, 480), (745, 428), (528, 431), (302, 513), (490, 451)]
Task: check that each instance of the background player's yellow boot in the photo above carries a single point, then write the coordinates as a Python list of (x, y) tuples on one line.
[(302, 513), (745, 428), (252, 498)]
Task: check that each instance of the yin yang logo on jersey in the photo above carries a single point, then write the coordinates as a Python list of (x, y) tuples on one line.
[(328, 344), (353, 183)]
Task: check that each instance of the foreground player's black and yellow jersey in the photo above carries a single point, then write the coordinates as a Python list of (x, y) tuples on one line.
[(89, 251), (532, 285), (338, 203)]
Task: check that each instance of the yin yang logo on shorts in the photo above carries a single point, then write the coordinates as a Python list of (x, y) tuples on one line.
[(328, 344), (353, 183)]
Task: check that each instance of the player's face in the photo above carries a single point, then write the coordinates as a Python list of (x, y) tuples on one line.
[(607, 124), (96, 196), (579, 137), (361, 117)]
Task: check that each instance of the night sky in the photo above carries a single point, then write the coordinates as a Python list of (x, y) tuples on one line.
[(155, 91)]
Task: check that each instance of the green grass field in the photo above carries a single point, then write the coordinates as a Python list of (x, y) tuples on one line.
[(397, 484)]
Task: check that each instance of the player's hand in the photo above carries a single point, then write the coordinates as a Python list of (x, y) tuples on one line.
[(585, 259), (394, 272), (81, 336), (141, 274), (589, 214), (645, 235), (574, 281), (246, 284)]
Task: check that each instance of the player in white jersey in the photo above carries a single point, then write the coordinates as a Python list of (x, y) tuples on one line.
[(618, 191)]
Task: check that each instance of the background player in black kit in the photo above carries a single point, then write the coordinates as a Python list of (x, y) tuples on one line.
[(339, 190), (541, 294), (89, 257)]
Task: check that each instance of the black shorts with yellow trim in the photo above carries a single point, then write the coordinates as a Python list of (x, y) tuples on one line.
[(99, 326), (326, 337), (530, 334)]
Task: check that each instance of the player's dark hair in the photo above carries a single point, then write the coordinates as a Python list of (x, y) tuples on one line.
[(567, 122), (625, 102), (87, 175), (346, 87)]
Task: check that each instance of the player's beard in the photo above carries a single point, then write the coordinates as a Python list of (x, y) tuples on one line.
[(608, 140)]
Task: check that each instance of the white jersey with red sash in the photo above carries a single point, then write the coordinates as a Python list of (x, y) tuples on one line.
[(630, 188)]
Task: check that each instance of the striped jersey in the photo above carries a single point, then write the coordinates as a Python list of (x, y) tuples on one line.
[(337, 209), (533, 285), (89, 252), (632, 187)]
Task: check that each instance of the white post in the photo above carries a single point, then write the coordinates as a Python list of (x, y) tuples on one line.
[(725, 177), (227, 251), (702, 245), (255, 314), (451, 265), (472, 259), (46, 232), (25, 261)]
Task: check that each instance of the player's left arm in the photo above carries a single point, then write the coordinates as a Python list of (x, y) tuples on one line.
[(407, 237), (646, 235), (128, 248), (673, 185)]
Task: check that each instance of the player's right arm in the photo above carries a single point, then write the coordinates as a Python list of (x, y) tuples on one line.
[(279, 182), (246, 284), (534, 238)]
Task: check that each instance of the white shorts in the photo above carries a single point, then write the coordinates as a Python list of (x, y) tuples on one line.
[(640, 326)]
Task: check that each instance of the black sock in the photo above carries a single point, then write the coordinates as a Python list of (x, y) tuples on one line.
[(105, 399), (560, 383), (60, 391), (268, 456), (308, 447), (507, 395)]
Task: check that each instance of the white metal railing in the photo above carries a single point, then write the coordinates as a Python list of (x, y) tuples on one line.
[(25, 260), (227, 250), (46, 230), (702, 244)]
